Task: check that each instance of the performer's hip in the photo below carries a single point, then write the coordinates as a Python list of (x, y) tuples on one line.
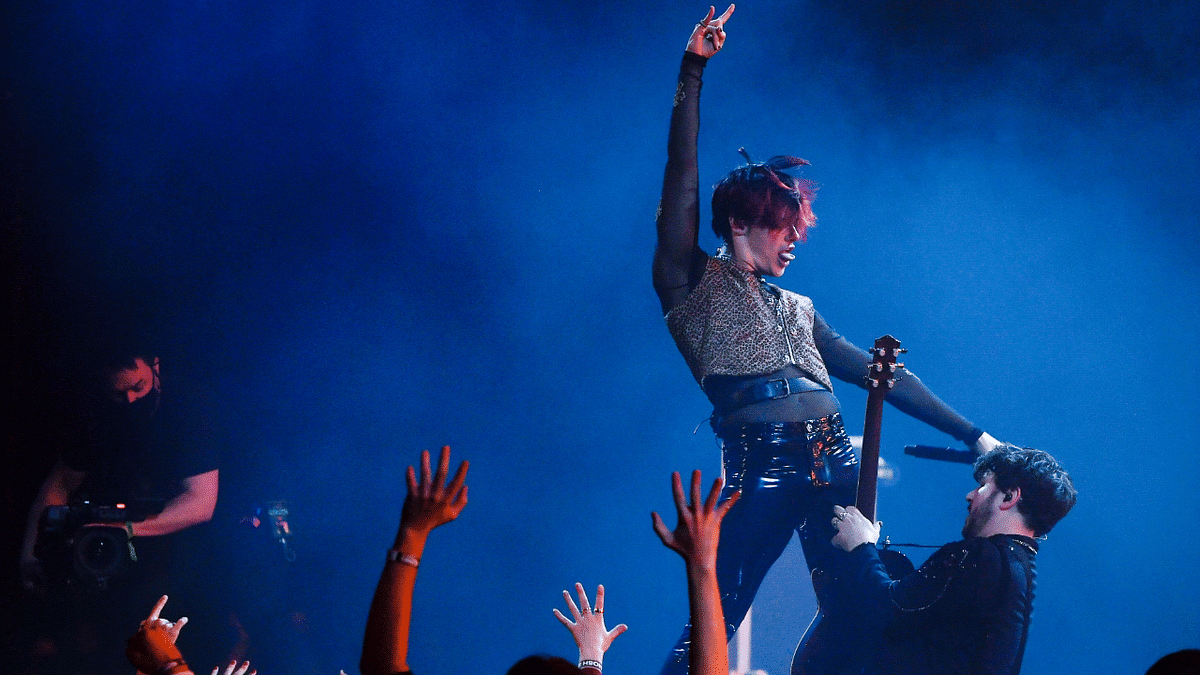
[(783, 454)]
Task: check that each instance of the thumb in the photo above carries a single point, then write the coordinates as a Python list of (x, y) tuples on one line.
[(660, 528)]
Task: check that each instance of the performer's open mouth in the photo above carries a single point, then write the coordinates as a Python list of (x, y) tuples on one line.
[(787, 256)]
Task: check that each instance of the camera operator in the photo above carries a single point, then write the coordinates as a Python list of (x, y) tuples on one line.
[(137, 462), (140, 444)]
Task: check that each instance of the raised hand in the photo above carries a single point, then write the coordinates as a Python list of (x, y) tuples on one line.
[(696, 538), (172, 629), (699, 528), (709, 35), (153, 647), (431, 502), (152, 650), (591, 636), (234, 669)]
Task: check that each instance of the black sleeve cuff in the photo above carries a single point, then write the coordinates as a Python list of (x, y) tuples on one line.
[(970, 439), (695, 59)]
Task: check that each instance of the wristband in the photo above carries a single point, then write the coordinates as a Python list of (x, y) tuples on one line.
[(174, 667), (395, 555), (590, 663)]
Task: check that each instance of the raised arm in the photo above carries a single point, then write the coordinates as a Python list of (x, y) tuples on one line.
[(678, 260), (429, 503), (696, 537)]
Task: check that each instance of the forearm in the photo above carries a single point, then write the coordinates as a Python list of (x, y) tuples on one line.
[(849, 363), (864, 581), (32, 522), (193, 506), (709, 653), (912, 397), (385, 640), (933, 589), (55, 491)]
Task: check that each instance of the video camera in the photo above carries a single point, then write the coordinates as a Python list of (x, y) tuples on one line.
[(74, 552)]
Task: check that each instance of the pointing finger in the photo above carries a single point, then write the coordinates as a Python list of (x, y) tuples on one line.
[(158, 607)]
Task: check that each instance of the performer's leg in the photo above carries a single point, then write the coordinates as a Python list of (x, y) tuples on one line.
[(816, 653), (753, 535), (827, 439), (816, 528)]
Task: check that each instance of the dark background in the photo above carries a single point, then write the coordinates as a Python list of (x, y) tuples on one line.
[(374, 228)]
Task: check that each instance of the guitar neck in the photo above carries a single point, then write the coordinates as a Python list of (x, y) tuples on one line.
[(880, 377), (868, 466)]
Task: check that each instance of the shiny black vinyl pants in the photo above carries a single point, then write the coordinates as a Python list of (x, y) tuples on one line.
[(790, 475)]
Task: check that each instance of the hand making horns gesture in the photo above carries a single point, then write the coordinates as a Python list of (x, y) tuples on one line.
[(709, 35)]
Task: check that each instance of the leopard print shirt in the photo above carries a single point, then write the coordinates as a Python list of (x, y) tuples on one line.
[(733, 323)]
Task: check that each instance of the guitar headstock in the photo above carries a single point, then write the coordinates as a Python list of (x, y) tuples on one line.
[(882, 371)]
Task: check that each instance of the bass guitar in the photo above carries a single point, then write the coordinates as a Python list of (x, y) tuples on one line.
[(836, 642)]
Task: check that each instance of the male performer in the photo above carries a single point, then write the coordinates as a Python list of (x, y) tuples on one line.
[(967, 609), (763, 355)]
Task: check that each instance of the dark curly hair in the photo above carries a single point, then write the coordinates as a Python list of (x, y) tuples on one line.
[(1047, 493), (761, 195)]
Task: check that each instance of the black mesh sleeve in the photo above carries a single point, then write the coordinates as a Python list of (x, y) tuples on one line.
[(849, 363), (678, 260)]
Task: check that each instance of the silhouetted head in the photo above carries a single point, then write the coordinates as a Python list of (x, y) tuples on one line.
[(543, 665), (1182, 662)]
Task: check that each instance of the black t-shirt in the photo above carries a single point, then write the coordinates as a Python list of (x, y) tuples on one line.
[(142, 451)]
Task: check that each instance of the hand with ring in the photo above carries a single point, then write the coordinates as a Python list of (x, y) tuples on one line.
[(591, 636), (853, 528), (709, 35)]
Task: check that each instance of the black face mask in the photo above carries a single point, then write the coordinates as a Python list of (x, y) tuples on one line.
[(140, 411)]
